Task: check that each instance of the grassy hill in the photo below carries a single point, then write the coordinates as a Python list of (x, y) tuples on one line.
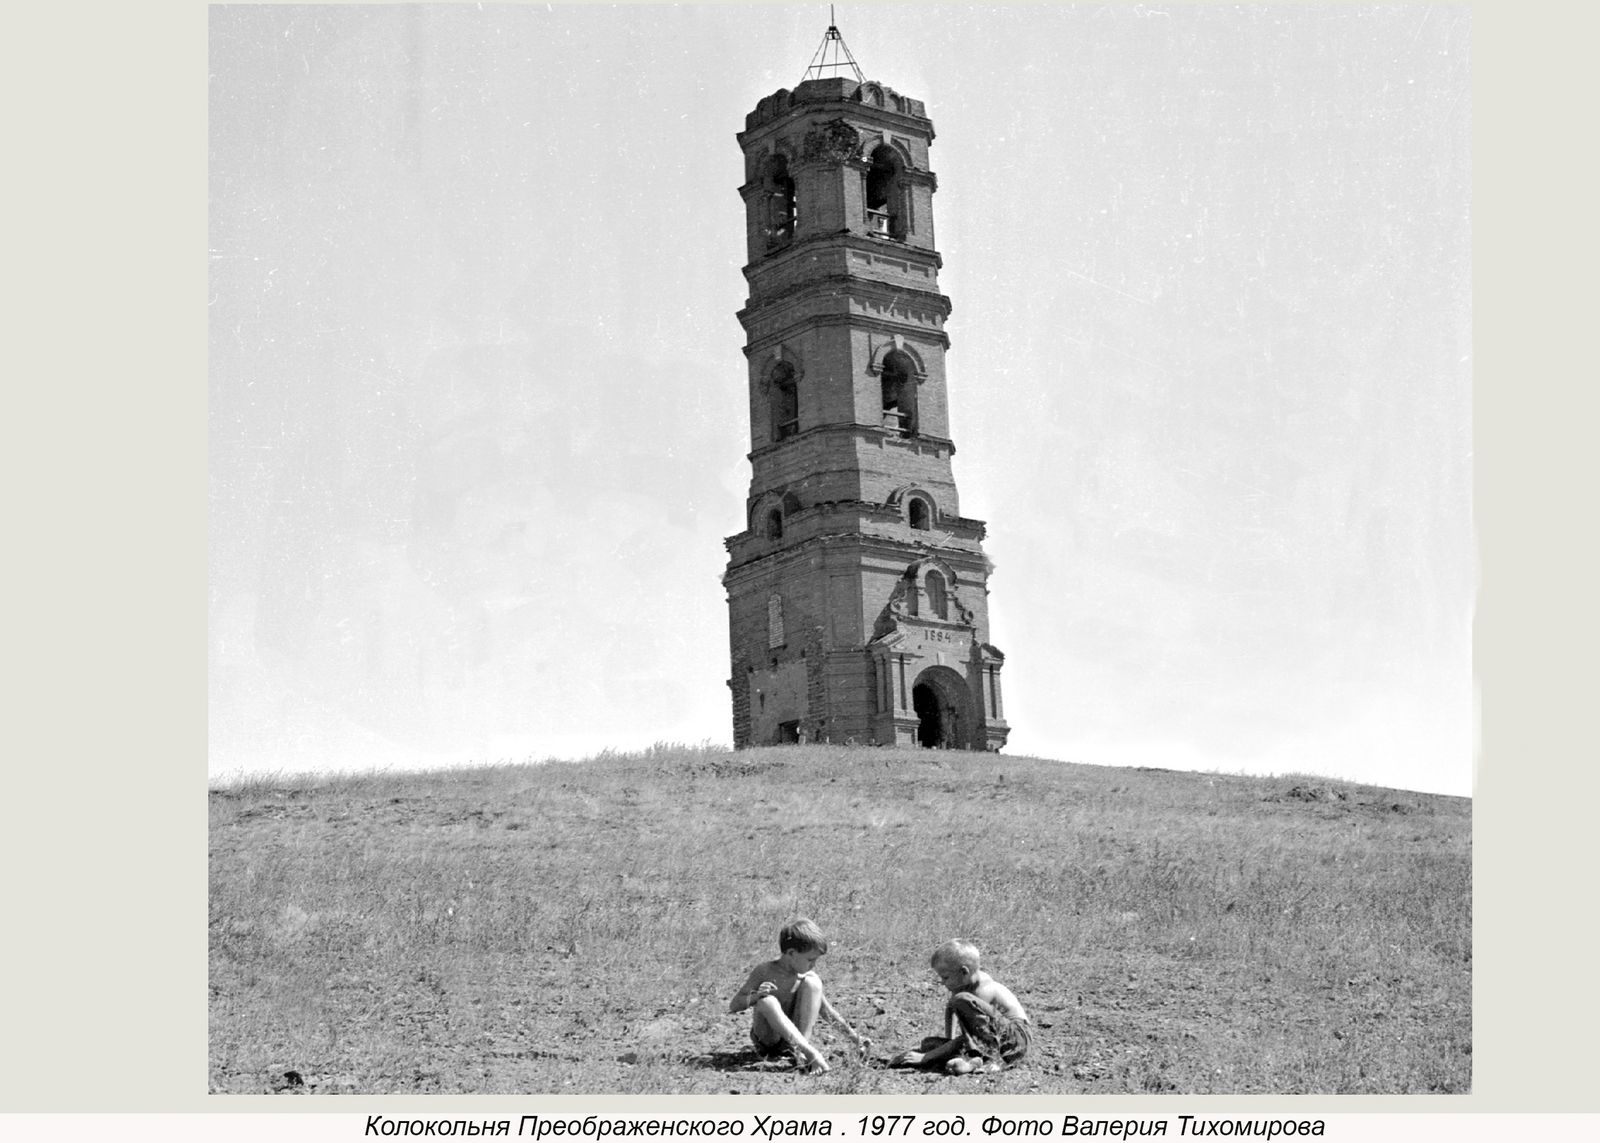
[(579, 927)]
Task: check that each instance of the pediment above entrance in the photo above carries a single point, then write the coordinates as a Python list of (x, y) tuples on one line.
[(946, 624), (930, 639)]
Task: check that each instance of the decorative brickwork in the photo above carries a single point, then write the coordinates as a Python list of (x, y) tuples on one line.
[(834, 142), (858, 593)]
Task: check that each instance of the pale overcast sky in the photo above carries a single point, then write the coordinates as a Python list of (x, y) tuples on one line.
[(477, 399)]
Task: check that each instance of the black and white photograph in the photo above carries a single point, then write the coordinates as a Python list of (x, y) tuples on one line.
[(861, 550)]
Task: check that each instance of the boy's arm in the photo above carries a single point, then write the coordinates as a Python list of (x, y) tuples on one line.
[(831, 1013), (933, 1057), (753, 989), (938, 1055)]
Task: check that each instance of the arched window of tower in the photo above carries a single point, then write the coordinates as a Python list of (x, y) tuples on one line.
[(918, 514), (936, 597), (899, 394), (775, 525), (886, 194), (785, 401), (778, 203)]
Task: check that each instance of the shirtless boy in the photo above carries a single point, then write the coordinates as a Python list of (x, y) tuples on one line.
[(785, 998), (985, 1027)]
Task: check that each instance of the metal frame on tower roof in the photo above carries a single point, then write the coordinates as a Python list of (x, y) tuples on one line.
[(821, 66)]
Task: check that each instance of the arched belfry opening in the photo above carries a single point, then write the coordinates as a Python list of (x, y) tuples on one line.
[(898, 388), (857, 591), (887, 204), (784, 401), (779, 215)]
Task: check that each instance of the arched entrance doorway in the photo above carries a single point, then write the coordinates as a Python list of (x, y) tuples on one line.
[(930, 727), (939, 700)]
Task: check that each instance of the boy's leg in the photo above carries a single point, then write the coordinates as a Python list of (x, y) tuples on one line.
[(990, 1032), (807, 1003), (980, 1022), (770, 1013)]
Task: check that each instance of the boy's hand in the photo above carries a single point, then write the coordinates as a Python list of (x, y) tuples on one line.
[(765, 988), (906, 1060)]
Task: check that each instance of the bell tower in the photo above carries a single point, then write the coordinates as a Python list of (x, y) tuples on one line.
[(858, 593)]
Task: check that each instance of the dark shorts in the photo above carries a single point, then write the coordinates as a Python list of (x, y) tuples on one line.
[(989, 1031), (768, 1051)]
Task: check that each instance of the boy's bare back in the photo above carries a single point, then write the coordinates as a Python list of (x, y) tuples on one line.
[(991, 991)]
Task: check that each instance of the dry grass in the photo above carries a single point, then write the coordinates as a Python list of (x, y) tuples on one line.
[(578, 927)]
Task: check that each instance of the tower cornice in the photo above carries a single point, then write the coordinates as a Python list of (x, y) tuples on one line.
[(883, 549), (843, 240), (834, 288), (836, 96), (888, 328)]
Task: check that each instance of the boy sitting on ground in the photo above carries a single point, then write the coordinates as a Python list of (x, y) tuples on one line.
[(785, 997), (985, 1027)]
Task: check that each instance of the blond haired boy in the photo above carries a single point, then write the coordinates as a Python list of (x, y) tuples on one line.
[(785, 998), (985, 1026)]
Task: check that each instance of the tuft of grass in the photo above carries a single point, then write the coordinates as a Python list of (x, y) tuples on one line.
[(578, 926)]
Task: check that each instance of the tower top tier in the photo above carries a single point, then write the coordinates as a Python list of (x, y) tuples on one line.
[(815, 94), (833, 160)]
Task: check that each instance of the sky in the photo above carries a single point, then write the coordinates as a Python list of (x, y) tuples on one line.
[(477, 411)]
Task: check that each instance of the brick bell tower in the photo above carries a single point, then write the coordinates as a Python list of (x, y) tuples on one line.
[(858, 593)]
